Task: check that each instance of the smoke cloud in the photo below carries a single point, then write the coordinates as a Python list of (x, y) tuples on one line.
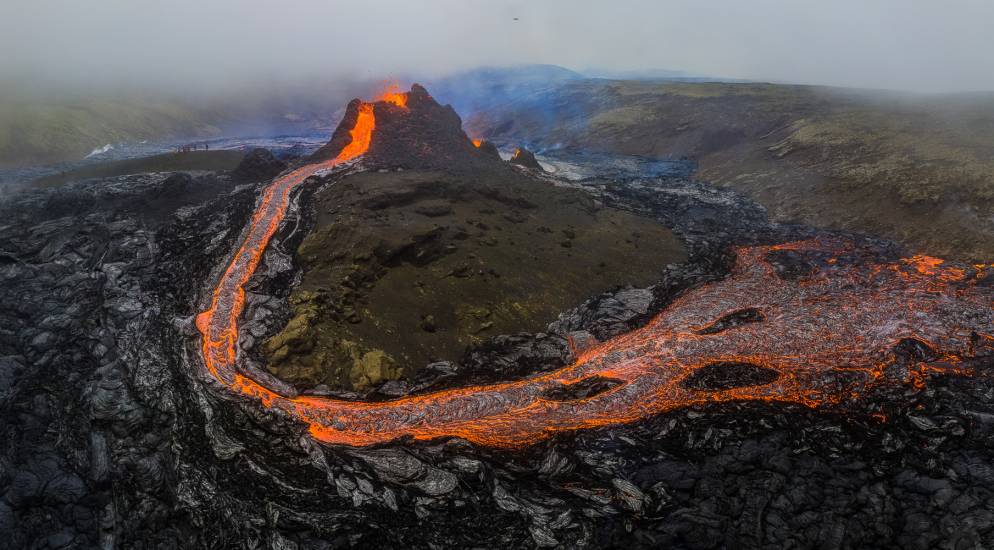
[(193, 46)]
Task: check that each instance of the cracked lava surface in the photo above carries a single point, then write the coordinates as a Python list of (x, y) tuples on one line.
[(846, 325)]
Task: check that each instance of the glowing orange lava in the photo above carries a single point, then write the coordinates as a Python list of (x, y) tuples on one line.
[(362, 134), (219, 323), (477, 143), (392, 94), (822, 338)]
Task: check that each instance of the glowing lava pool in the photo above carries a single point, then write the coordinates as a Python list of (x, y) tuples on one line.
[(841, 326)]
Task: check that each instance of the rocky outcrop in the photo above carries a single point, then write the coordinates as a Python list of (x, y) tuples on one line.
[(341, 136), (524, 157), (258, 165), (489, 149)]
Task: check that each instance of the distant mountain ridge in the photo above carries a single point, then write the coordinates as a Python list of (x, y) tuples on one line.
[(659, 74)]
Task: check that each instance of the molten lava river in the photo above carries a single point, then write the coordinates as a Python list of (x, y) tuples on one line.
[(821, 337)]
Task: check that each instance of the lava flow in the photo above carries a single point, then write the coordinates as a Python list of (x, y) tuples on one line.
[(833, 324), (392, 94), (219, 323)]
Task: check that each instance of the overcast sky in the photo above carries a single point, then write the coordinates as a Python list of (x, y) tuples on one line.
[(922, 45)]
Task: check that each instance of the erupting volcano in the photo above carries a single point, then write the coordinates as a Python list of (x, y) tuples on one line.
[(815, 322), (405, 333)]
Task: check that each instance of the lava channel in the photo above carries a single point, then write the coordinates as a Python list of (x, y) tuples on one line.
[(825, 335)]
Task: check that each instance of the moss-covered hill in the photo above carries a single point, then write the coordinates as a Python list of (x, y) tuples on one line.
[(404, 268), (916, 168), (39, 132)]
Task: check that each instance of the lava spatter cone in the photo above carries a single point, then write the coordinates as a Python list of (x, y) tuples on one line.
[(487, 148), (416, 132), (524, 157)]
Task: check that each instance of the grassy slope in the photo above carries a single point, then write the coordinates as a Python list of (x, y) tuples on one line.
[(41, 131), (919, 169)]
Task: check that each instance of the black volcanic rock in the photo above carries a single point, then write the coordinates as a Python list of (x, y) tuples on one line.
[(725, 375), (342, 135), (112, 440), (488, 149), (524, 157), (423, 134), (258, 165)]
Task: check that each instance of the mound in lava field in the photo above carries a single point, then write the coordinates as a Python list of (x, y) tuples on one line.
[(400, 269), (781, 387)]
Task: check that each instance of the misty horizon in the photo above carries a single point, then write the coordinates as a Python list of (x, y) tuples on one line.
[(188, 49)]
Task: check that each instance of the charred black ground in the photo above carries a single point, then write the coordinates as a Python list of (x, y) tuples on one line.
[(113, 438)]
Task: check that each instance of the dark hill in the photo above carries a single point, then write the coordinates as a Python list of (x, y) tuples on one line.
[(423, 134)]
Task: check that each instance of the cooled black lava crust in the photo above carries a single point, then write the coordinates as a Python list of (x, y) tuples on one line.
[(112, 437)]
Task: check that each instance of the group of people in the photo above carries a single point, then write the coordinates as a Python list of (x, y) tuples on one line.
[(192, 147)]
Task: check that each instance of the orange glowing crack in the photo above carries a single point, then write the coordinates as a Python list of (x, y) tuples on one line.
[(828, 337)]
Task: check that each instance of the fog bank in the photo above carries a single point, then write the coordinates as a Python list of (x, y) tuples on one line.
[(193, 46)]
